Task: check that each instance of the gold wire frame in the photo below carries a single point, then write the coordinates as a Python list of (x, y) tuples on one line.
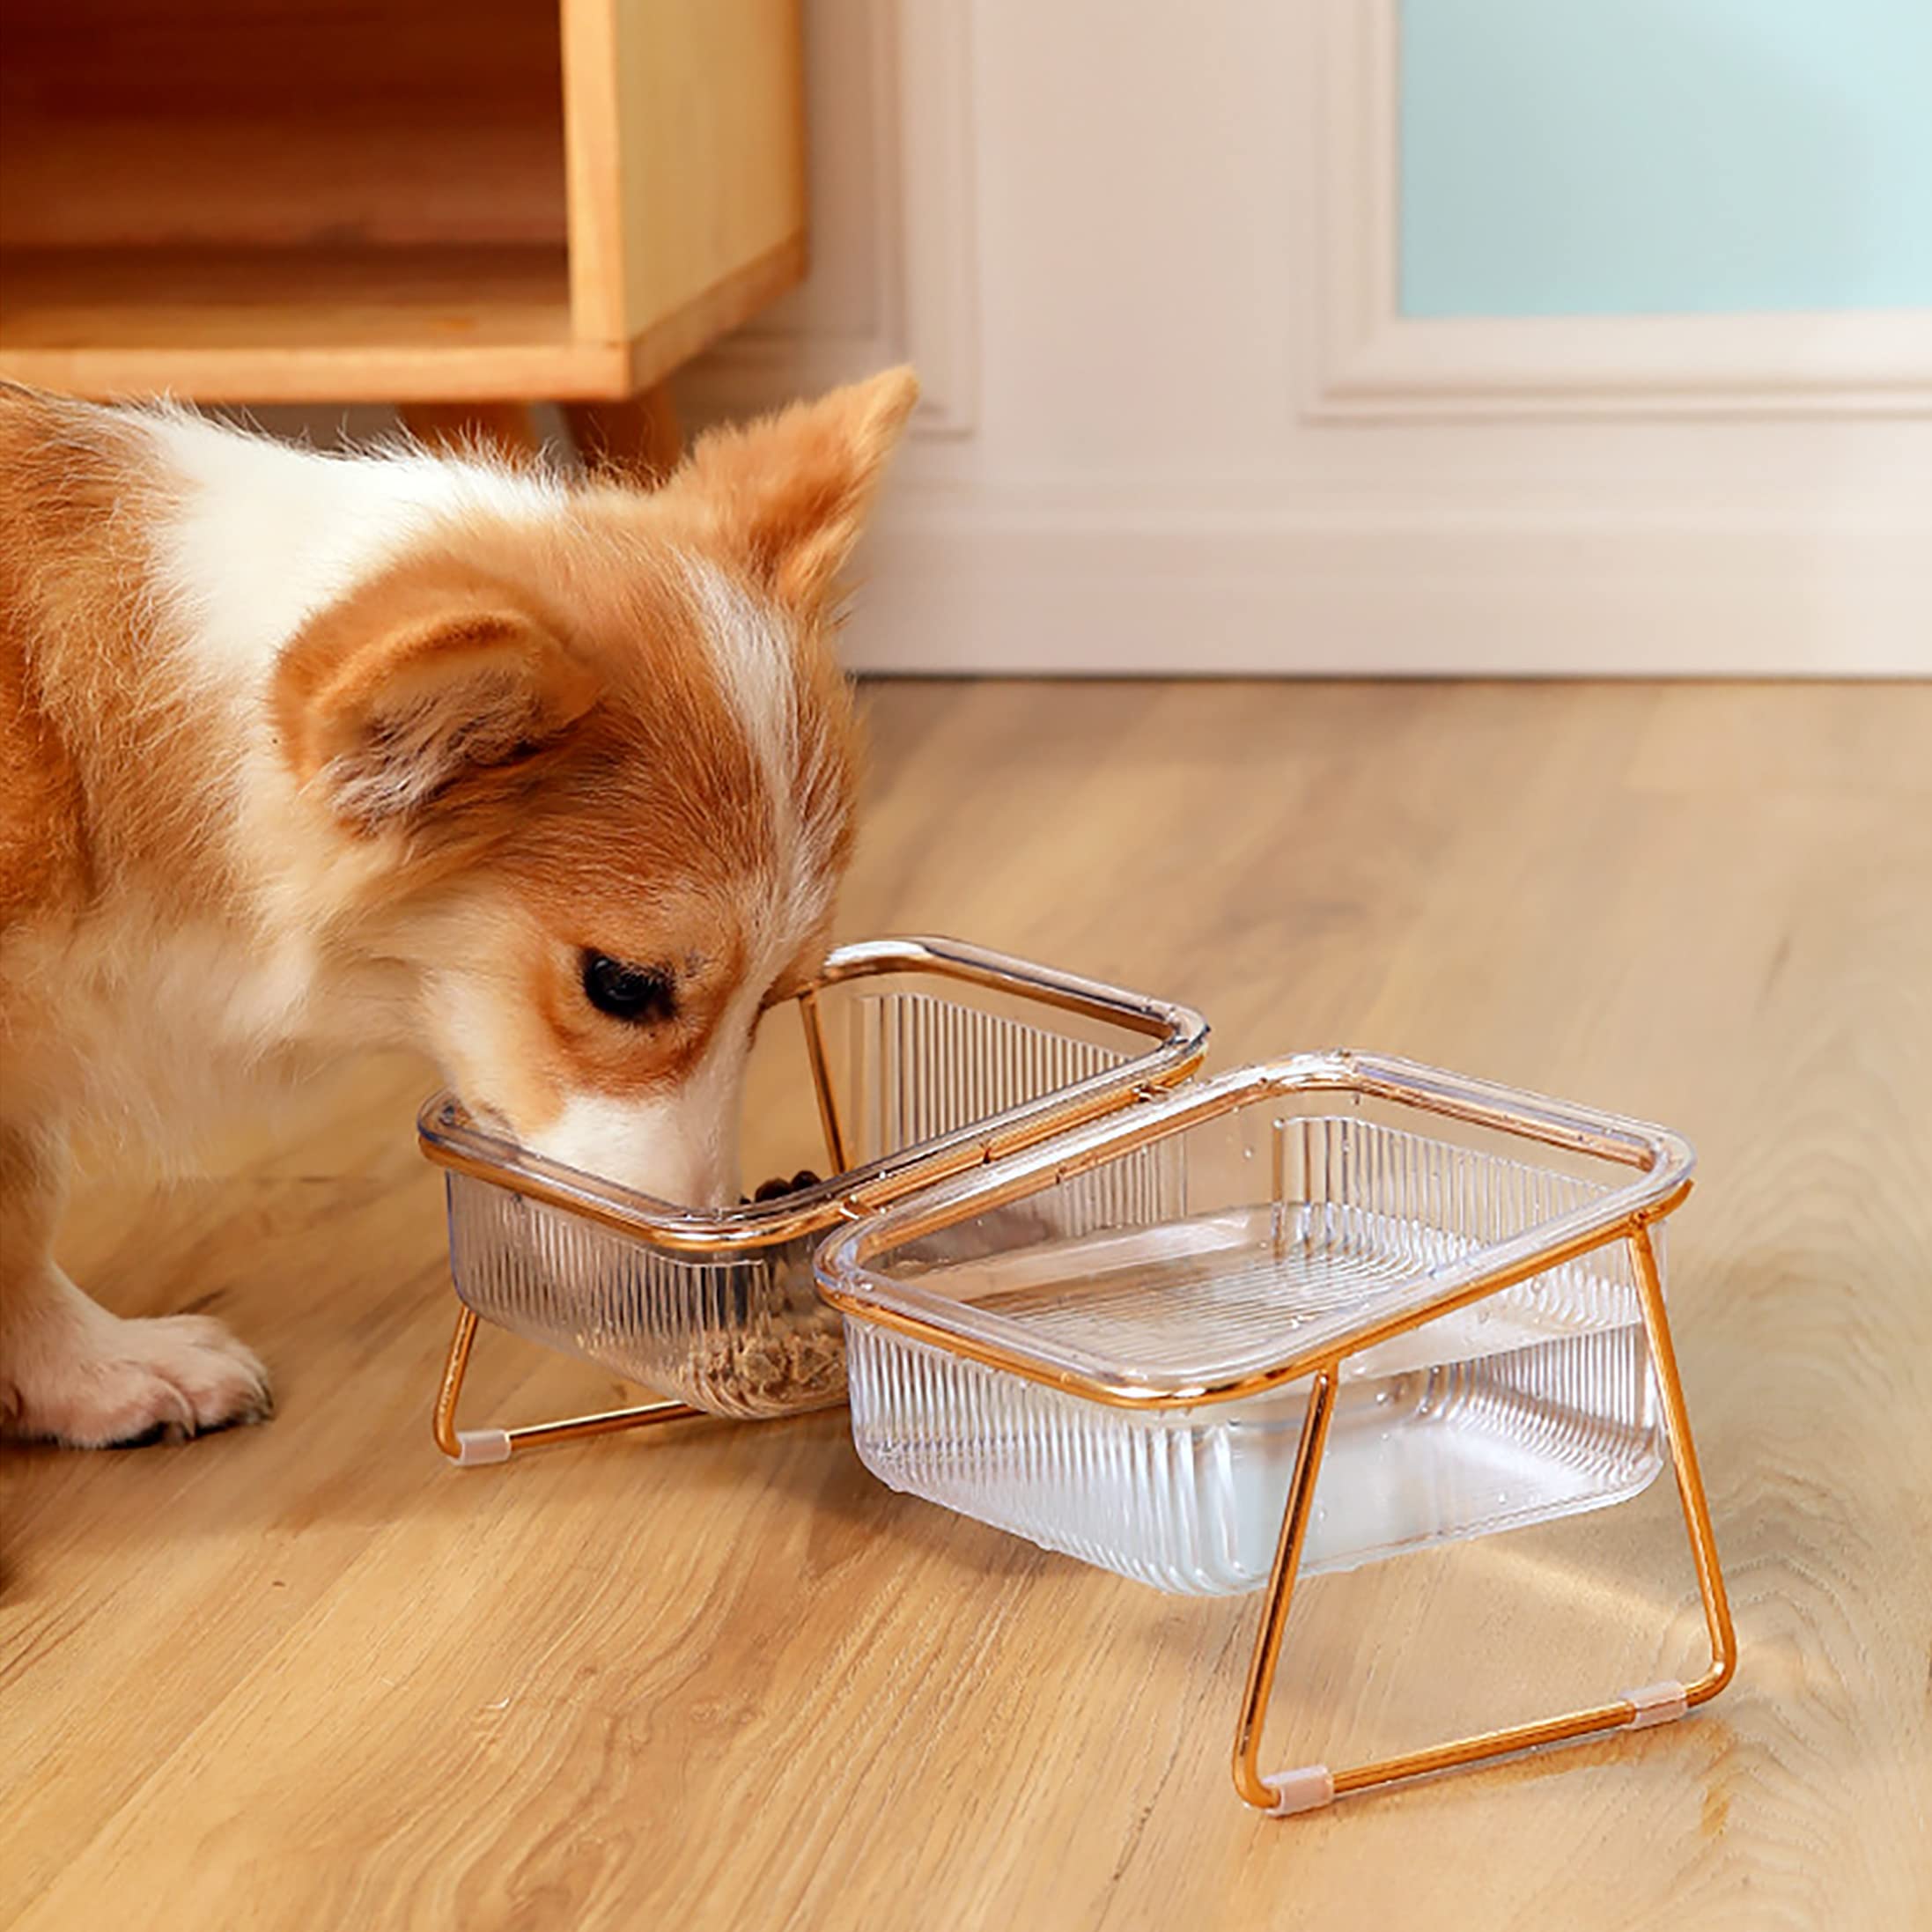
[(1178, 1038), (1629, 1219), (469, 1447), (1310, 1787)]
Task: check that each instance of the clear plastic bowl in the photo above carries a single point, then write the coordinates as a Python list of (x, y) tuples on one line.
[(1037, 1346), (915, 1058)]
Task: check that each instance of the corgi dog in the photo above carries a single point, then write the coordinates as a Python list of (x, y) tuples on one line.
[(300, 752)]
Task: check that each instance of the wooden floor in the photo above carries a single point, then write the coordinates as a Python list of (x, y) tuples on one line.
[(309, 1676)]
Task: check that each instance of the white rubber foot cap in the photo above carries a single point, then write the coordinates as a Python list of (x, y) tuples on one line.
[(1306, 1788), (1657, 1704), (474, 1447)]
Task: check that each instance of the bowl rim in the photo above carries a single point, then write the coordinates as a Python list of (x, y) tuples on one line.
[(1663, 1160), (451, 1138)]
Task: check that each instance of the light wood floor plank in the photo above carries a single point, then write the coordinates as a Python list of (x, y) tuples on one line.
[(307, 1675)]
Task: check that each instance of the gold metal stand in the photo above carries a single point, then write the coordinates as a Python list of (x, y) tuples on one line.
[(1310, 1787), (472, 1447)]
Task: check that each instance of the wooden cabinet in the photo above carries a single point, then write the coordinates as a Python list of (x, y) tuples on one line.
[(445, 200)]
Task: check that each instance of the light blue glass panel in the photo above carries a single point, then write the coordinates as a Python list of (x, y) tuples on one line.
[(1660, 157)]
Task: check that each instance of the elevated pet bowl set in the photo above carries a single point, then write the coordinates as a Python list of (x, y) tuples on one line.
[(1074, 1291)]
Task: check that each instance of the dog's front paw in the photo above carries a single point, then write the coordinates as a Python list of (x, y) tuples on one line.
[(101, 1381)]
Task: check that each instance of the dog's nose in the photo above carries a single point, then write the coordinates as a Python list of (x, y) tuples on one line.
[(680, 1146), (688, 1174), (713, 1183), (673, 1152)]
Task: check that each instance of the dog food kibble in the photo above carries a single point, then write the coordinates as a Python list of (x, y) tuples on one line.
[(778, 1189), (793, 1370), (782, 1368)]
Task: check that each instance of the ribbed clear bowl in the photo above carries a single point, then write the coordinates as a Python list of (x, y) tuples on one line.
[(736, 1331), (1199, 1257), (916, 1058)]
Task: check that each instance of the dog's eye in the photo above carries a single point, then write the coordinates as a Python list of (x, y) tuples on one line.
[(643, 994)]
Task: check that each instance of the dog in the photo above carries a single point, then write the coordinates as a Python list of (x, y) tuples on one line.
[(301, 753)]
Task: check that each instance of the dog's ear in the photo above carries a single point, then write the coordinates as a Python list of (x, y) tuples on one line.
[(389, 702), (787, 496)]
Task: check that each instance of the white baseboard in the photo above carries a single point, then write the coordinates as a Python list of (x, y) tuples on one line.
[(1023, 588)]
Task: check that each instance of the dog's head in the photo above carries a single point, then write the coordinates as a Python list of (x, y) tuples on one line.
[(588, 765)]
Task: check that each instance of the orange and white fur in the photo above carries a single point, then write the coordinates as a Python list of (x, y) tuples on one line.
[(305, 753)]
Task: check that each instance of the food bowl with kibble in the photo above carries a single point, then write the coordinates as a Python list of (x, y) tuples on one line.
[(904, 1062), (1300, 1317)]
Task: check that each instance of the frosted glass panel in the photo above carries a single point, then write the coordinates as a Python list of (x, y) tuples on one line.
[(1661, 157)]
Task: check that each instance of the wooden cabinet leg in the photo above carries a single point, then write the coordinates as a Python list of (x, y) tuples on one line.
[(507, 429), (637, 438)]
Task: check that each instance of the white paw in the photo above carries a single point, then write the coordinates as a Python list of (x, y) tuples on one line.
[(100, 1381)]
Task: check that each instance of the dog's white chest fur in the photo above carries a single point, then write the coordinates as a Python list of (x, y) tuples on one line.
[(161, 1024)]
